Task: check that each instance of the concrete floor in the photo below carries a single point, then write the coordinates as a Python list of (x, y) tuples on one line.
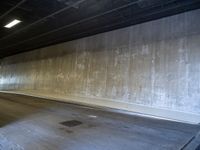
[(28, 123)]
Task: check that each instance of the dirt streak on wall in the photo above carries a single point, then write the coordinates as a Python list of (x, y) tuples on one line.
[(154, 64)]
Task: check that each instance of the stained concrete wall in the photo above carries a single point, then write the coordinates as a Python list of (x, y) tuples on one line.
[(154, 64)]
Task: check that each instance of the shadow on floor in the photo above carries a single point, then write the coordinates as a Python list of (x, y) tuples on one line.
[(15, 107)]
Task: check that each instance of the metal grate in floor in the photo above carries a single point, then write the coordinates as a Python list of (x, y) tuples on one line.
[(71, 123)]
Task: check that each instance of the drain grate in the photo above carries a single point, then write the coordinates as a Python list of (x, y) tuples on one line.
[(71, 123)]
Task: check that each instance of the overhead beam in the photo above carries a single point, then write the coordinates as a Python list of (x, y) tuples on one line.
[(75, 23), (13, 8), (42, 19)]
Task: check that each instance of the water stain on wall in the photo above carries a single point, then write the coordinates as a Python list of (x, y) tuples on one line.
[(154, 64)]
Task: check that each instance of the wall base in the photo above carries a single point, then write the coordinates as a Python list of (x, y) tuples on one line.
[(118, 106)]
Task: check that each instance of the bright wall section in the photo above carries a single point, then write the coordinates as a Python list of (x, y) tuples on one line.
[(151, 68)]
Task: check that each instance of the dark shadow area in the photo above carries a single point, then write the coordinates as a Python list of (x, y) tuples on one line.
[(15, 107)]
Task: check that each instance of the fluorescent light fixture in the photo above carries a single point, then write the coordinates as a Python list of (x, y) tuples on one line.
[(12, 23)]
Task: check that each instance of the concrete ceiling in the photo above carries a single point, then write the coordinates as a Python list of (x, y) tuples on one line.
[(46, 22)]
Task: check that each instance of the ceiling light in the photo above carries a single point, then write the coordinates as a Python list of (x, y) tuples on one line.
[(12, 23)]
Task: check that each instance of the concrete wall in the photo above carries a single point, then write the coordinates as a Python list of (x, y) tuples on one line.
[(154, 65)]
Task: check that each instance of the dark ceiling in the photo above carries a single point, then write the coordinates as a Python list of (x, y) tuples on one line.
[(46, 22)]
